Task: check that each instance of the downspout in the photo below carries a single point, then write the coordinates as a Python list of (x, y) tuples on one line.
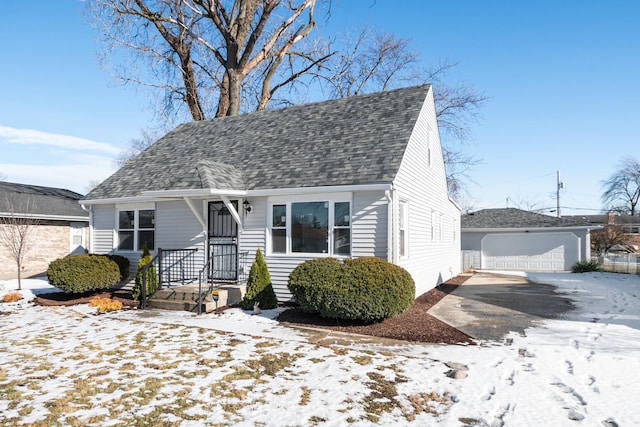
[(389, 195), (90, 210)]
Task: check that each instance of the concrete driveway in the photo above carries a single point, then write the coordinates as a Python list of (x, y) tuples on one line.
[(489, 306)]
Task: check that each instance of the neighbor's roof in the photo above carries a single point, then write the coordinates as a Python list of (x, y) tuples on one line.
[(45, 202), (514, 218), (348, 141), (619, 219)]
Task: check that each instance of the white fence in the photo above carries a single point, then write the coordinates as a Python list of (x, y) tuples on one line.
[(619, 263)]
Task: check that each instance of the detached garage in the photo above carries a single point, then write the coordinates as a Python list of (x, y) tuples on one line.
[(513, 239)]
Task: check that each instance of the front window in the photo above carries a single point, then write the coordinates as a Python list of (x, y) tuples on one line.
[(316, 227), (135, 229), (310, 227)]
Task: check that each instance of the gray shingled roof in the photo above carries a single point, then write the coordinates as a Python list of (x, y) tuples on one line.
[(514, 218), (620, 219), (47, 201), (359, 140)]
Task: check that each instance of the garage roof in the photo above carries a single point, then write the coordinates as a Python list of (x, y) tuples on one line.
[(516, 218)]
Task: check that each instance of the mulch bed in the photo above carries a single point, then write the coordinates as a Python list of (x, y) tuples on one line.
[(55, 299), (413, 325)]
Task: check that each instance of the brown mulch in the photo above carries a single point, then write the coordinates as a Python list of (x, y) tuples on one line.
[(55, 299), (413, 325)]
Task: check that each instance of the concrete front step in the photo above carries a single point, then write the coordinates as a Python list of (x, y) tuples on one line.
[(185, 298)]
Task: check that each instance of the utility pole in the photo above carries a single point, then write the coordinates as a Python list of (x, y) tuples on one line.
[(559, 187)]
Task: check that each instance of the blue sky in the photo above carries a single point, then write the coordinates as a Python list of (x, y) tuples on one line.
[(561, 77)]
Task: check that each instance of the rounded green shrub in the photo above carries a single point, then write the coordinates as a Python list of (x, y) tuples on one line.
[(259, 288), (82, 273), (368, 289), (123, 265)]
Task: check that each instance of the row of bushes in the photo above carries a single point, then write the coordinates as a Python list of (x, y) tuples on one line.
[(90, 272), (368, 289)]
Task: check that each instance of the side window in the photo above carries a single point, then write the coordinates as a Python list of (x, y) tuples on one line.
[(342, 229), (126, 230), (404, 229), (279, 229)]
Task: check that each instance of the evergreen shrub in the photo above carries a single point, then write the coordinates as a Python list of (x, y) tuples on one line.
[(83, 273), (150, 280), (259, 288), (123, 265), (585, 267), (368, 289)]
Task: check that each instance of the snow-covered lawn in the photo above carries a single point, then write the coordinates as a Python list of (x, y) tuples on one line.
[(67, 366)]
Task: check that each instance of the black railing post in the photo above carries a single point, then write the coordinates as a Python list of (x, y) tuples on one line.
[(143, 288), (159, 268)]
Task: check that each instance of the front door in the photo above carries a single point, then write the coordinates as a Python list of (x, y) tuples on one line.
[(223, 242)]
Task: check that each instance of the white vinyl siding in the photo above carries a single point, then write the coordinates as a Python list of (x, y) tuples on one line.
[(421, 180), (178, 228), (369, 225), (368, 234), (103, 228)]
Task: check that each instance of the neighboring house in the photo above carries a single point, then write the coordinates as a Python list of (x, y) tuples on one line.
[(60, 225), (513, 239), (630, 225), (352, 177)]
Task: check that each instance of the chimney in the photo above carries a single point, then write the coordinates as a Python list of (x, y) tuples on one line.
[(611, 219)]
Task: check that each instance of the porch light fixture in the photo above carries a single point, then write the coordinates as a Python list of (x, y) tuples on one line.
[(246, 205)]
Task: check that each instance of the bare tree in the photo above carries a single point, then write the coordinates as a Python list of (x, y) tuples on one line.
[(622, 189), (137, 146), (17, 230), (604, 239), (207, 54), (221, 57), (371, 60)]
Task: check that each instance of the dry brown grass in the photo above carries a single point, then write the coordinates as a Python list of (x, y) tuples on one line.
[(12, 297)]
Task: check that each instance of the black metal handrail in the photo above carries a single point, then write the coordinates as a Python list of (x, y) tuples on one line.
[(177, 266), (172, 266), (205, 275)]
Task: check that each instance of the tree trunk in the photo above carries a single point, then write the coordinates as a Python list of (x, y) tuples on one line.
[(19, 276)]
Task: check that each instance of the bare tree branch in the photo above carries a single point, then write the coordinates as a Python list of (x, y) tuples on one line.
[(206, 53), (17, 230), (622, 189)]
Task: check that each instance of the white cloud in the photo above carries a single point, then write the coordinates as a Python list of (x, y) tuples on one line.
[(29, 136), (73, 175)]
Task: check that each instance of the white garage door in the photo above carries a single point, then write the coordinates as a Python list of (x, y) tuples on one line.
[(530, 251)]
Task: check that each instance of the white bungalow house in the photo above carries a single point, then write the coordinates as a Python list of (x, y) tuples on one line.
[(353, 177)]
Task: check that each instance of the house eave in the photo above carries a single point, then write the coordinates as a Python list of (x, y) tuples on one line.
[(525, 229), (203, 192), (319, 189), (114, 200), (46, 217)]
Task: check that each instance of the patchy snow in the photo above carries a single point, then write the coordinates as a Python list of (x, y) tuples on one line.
[(68, 365)]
